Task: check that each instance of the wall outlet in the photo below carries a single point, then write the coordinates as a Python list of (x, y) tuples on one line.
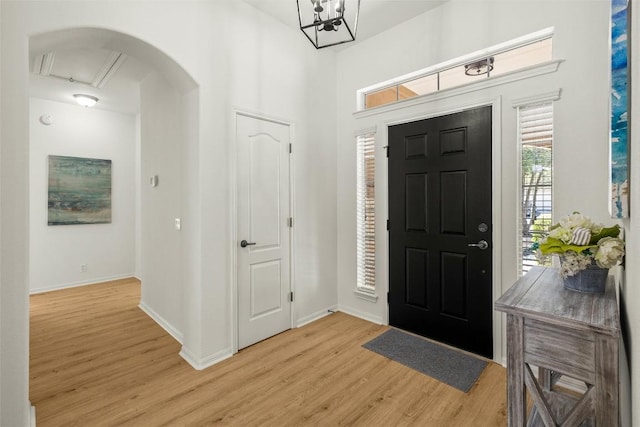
[(83, 268), (177, 224)]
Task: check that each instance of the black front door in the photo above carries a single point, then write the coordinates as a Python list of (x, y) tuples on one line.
[(440, 229)]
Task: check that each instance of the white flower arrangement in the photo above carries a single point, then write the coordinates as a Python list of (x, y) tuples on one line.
[(580, 242)]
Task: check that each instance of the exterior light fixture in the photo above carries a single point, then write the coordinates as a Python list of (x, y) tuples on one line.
[(85, 100), (483, 66), (328, 22)]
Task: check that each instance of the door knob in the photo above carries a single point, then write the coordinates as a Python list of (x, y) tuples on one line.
[(482, 244), (244, 243)]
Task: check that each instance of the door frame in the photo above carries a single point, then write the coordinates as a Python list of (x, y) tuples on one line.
[(382, 256), (233, 179)]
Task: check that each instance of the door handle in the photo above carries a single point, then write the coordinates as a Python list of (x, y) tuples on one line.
[(244, 243), (482, 245)]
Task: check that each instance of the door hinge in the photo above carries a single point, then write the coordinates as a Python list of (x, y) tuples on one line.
[(290, 148), (387, 297), (386, 147), (290, 222), (291, 296), (388, 224)]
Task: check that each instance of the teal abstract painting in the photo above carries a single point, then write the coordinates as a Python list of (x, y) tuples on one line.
[(79, 191), (619, 149)]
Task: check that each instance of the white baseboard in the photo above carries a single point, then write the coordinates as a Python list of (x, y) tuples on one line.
[(32, 416), (176, 334), (93, 281), (362, 315), (200, 364), (315, 316)]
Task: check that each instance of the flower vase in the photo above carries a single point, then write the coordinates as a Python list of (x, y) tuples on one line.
[(592, 279)]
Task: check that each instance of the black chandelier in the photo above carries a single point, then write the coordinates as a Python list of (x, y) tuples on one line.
[(328, 22)]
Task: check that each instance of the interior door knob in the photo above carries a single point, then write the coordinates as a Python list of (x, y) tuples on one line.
[(482, 244), (244, 243)]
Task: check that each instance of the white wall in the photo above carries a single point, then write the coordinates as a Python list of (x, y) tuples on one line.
[(443, 34), (630, 292), (580, 116), (246, 61), (138, 198), (295, 83), (2, 366), (14, 251), (250, 61), (161, 244), (108, 250)]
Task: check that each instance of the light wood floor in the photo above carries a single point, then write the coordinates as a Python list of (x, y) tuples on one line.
[(96, 360)]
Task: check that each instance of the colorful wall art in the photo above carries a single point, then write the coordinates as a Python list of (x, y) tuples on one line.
[(619, 108), (79, 191)]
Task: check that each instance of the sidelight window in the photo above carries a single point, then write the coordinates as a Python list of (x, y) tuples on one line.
[(535, 131), (366, 216)]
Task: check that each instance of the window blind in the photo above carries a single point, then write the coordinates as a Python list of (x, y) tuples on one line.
[(535, 129), (536, 125), (366, 216)]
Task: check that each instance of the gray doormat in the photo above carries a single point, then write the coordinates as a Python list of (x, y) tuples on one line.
[(449, 366)]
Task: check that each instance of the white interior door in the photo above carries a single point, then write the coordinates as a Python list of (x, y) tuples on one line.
[(263, 259)]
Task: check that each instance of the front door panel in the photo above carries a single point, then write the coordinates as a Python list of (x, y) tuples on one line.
[(439, 194)]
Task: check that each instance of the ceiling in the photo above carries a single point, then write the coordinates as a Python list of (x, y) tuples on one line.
[(102, 63), (375, 15), (111, 76), (110, 66), (91, 62)]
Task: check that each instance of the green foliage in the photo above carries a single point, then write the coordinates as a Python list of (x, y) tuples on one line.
[(540, 227), (535, 156), (557, 246), (605, 232)]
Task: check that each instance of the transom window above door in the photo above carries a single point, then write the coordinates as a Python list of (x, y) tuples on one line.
[(500, 60)]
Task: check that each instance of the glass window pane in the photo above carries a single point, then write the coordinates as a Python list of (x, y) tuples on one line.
[(525, 56), (366, 216), (422, 85), (405, 93), (455, 77), (535, 123), (381, 97)]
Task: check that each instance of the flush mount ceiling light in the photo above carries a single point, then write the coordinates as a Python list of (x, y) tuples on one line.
[(85, 100), (477, 68), (328, 22)]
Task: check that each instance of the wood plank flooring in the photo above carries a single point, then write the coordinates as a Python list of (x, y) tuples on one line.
[(98, 360)]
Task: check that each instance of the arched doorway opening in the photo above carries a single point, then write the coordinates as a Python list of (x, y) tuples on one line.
[(145, 120)]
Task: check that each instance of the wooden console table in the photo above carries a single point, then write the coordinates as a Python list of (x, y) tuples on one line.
[(562, 333)]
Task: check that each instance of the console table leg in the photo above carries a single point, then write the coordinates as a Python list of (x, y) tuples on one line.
[(607, 378), (544, 379), (515, 371)]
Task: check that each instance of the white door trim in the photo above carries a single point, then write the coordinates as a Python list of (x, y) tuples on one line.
[(496, 211), (233, 179)]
